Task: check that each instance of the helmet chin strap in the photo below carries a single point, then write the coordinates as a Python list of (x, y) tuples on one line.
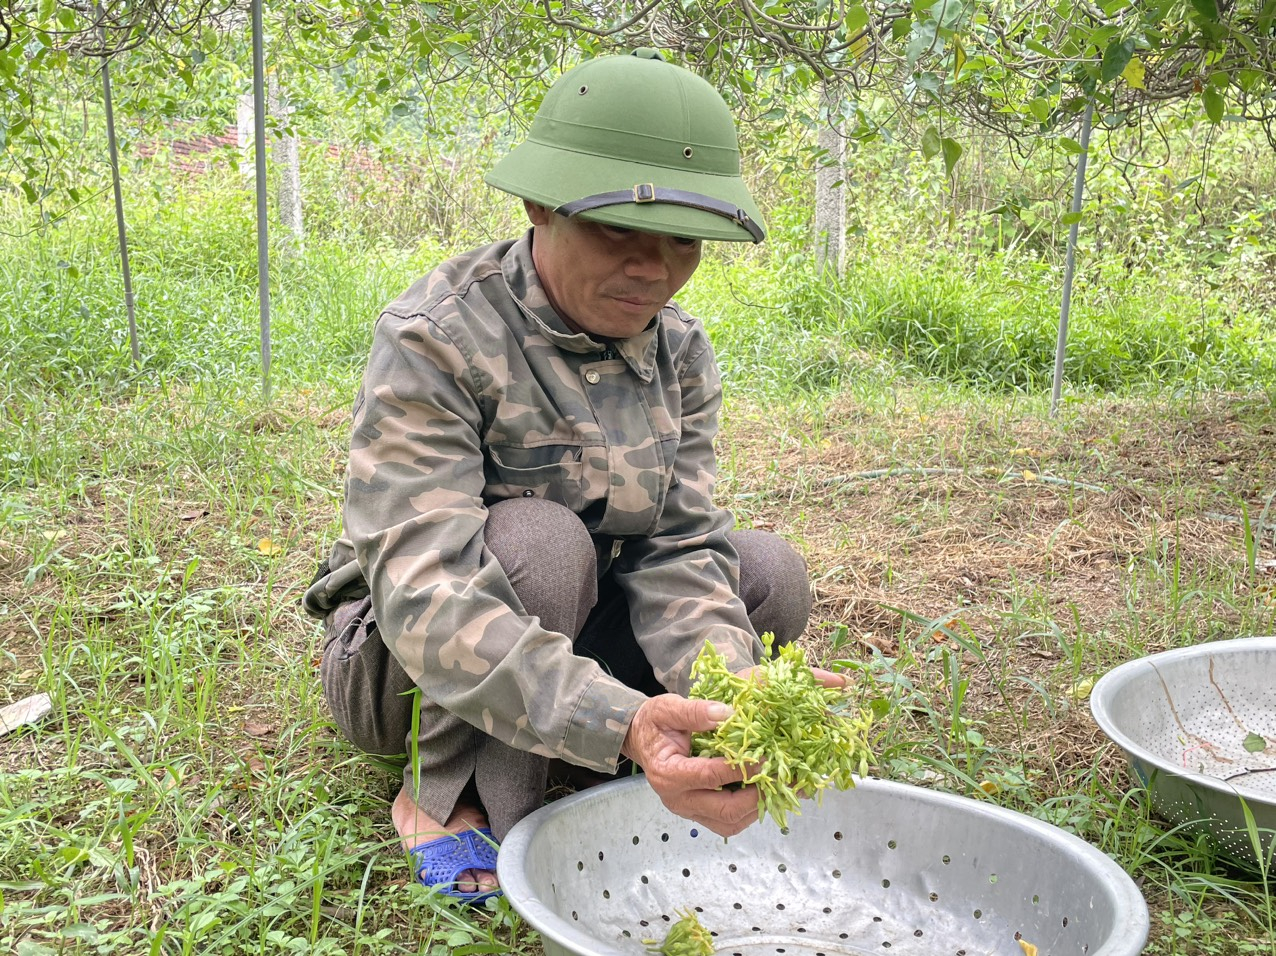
[(648, 193)]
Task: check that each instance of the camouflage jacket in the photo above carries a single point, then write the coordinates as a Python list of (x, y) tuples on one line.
[(476, 391)]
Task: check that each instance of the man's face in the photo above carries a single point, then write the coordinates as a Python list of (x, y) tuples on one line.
[(605, 280)]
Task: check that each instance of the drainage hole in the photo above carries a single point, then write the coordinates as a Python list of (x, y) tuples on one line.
[(579, 866), (947, 859), (843, 935), (737, 906), (877, 919), (625, 933), (885, 944), (757, 929), (643, 922), (1035, 899), (886, 884), (600, 856), (779, 906), (837, 874), (644, 879), (635, 841), (685, 871), (1065, 921), (606, 894), (917, 933), (837, 835), (801, 929), (574, 915), (699, 909), (664, 838), (827, 910), (979, 914), (934, 897), (992, 878), (731, 867), (783, 868), (891, 845), (694, 833), (665, 917)]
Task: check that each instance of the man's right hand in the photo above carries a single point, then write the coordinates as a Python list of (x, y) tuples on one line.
[(659, 741)]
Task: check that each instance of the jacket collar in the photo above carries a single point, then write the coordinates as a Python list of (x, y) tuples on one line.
[(638, 351)]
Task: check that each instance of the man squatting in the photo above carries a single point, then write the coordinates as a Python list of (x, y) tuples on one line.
[(529, 533)]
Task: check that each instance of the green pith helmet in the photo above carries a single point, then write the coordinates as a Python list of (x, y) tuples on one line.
[(636, 142)]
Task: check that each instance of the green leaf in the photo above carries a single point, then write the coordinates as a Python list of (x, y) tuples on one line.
[(1255, 744), (856, 19), (947, 13), (921, 42), (1212, 100), (1207, 8), (1071, 145), (952, 153), (959, 57), (931, 143), (1115, 59), (1040, 109), (1068, 218), (46, 10), (1134, 72)]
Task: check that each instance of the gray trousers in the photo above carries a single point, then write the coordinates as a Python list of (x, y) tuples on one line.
[(551, 562)]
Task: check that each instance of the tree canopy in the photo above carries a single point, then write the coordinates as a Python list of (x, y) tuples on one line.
[(1025, 68)]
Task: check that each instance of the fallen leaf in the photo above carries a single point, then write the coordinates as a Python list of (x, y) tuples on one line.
[(193, 515), (1255, 744), (1081, 689), (269, 548), (990, 788), (1029, 476), (255, 728), (884, 644), (1028, 948), (29, 710)]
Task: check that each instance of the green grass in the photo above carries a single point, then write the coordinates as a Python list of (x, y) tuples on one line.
[(157, 526)]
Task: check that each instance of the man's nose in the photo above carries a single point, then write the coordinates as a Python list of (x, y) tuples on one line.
[(646, 260)]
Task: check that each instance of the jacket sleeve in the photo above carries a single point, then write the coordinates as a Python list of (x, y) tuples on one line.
[(682, 583), (414, 514)]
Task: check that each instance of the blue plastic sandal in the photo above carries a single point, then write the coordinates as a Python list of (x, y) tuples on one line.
[(439, 862)]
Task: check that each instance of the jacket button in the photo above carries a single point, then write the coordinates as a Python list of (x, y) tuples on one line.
[(592, 377), (528, 493)]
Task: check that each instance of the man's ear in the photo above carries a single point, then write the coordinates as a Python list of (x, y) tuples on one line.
[(538, 214)]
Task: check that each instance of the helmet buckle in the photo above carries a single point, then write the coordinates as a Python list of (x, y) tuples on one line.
[(644, 192)]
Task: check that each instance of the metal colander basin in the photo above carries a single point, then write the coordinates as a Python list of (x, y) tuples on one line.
[(885, 868), (1198, 726)]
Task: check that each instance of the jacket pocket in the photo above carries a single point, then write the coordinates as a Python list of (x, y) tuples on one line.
[(551, 471)]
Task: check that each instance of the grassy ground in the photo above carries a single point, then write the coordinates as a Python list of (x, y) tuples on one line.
[(188, 794)]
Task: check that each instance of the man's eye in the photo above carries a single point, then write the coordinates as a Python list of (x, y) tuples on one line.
[(685, 243), (617, 232)]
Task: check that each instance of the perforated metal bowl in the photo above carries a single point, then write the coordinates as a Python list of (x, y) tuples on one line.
[(1198, 726), (883, 868)]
